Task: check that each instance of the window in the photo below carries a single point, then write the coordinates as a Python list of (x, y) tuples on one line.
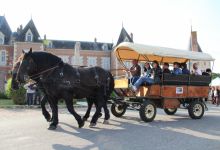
[(77, 61), (2, 38), (2, 57), (91, 61), (105, 63), (29, 36), (126, 39), (65, 58), (105, 47)]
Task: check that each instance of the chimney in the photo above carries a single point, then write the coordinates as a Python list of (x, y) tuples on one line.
[(45, 36), (95, 39), (21, 27), (194, 42), (131, 35)]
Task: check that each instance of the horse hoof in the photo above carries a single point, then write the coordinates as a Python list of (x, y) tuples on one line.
[(52, 127), (92, 125), (48, 118), (105, 122), (81, 124), (100, 115)]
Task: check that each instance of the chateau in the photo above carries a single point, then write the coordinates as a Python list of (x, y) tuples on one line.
[(90, 53)]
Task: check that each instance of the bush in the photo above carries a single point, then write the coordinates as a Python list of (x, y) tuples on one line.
[(8, 88), (18, 96), (3, 95)]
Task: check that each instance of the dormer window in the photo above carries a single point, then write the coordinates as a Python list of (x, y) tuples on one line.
[(105, 47), (2, 38), (29, 36), (126, 39)]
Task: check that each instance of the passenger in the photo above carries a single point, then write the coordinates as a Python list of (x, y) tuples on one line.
[(155, 78), (184, 69), (135, 71), (208, 72), (166, 68), (147, 69), (196, 70), (176, 69)]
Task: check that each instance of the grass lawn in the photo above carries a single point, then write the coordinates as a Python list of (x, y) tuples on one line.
[(6, 102)]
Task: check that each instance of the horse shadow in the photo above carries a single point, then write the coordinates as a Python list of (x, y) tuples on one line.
[(141, 134)]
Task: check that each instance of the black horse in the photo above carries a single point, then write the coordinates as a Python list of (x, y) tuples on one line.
[(15, 85), (60, 80)]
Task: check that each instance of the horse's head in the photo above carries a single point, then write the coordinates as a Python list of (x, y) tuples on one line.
[(27, 67)]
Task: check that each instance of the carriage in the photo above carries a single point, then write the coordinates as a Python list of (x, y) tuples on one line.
[(172, 93)]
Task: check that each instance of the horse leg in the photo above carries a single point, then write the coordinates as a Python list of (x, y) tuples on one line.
[(100, 104), (69, 105), (53, 104), (107, 114), (45, 113), (89, 102)]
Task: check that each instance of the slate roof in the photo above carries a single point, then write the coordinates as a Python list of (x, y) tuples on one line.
[(5, 29), (123, 36), (20, 36), (84, 45)]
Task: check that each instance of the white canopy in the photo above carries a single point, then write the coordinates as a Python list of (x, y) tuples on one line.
[(130, 51), (215, 82)]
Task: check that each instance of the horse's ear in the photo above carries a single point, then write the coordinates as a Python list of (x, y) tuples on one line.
[(23, 51), (30, 51)]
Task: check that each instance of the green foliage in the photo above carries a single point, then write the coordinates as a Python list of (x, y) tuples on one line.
[(215, 75), (8, 88), (18, 96), (3, 95)]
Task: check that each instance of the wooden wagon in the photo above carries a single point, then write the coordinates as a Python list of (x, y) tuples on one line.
[(173, 92)]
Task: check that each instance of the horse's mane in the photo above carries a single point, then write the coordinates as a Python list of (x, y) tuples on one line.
[(42, 58)]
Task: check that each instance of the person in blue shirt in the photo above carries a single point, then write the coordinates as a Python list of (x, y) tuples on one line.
[(184, 69), (176, 68)]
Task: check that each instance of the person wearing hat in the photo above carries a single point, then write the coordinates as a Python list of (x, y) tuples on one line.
[(155, 78)]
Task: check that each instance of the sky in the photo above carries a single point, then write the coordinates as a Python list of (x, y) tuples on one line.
[(164, 23)]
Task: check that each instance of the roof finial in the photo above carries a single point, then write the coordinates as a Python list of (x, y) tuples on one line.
[(122, 25), (31, 16)]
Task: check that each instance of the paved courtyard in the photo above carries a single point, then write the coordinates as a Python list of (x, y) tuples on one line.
[(26, 129)]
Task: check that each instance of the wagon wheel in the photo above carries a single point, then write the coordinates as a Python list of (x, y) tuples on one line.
[(170, 111), (196, 109), (118, 110), (148, 111)]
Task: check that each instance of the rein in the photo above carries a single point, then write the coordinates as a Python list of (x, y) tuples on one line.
[(42, 72), (35, 76)]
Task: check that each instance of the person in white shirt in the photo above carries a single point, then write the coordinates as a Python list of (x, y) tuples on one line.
[(196, 70), (30, 90)]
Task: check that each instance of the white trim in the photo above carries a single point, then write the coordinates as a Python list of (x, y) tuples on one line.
[(105, 63), (80, 61), (2, 38), (28, 35), (3, 57), (91, 61)]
